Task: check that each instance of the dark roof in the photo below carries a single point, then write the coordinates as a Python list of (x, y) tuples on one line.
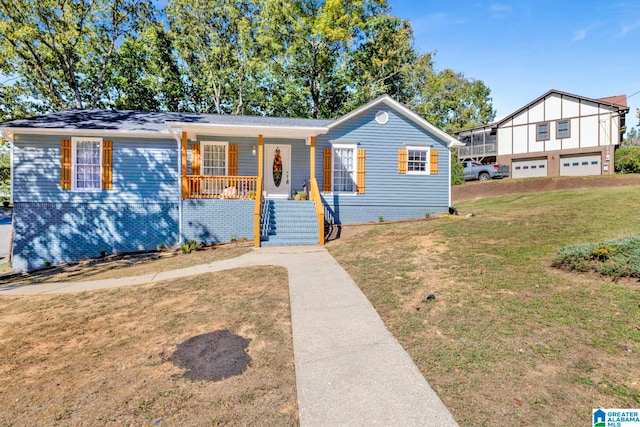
[(139, 121)]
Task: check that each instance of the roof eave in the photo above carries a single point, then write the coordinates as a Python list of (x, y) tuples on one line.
[(491, 125), (292, 132), (9, 132)]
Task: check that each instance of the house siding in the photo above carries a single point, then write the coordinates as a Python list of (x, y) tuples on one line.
[(63, 232), (144, 170), (52, 225), (299, 164), (388, 194), (217, 220)]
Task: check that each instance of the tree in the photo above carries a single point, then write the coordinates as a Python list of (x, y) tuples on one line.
[(61, 51), (145, 75), (216, 45), (309, 41), (631, 138), (385, 62), (383, 59), (14, 104), (302, 58), (451, 102)]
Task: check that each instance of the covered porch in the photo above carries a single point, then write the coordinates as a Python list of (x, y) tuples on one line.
[(229, 172), (480, 144)]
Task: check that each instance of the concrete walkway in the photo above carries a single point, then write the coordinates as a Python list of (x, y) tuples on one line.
[(350, 371)]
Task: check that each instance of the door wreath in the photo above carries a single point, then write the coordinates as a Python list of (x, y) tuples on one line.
[(277, 167)]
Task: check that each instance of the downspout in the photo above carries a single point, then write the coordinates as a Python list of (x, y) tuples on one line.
[(9, 137), (179, 180), (449, 172)]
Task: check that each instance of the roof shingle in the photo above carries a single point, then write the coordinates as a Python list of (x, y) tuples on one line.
[(139, 121)]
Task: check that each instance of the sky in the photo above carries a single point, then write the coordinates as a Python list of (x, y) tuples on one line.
[(523, 49)]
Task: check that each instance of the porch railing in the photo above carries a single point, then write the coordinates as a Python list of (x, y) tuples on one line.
[(315, 196), (220, 187), (257, 211), (477, 150)]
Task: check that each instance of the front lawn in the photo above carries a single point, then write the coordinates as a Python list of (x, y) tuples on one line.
[(509, 339), (105, 357)]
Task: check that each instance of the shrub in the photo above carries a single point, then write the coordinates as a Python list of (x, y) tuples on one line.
[(603, 252), (457, 170), (5, 173), (616, 258), (628, 160), (189, 246)]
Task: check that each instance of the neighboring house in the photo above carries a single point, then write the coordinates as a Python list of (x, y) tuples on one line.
[(557, 134), (87, 182)]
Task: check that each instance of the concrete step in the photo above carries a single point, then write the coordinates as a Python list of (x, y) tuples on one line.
[(285, 242), (289, 223)]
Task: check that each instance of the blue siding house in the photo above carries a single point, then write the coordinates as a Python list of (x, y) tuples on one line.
[(89, 182)]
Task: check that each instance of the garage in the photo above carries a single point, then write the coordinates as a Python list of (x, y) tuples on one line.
[(529, 168), (581, 165)]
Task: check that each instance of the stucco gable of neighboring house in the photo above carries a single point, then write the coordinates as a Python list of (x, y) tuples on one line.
[(617, 103)]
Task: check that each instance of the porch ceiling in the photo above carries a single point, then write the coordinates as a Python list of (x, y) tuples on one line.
[(288, 132)]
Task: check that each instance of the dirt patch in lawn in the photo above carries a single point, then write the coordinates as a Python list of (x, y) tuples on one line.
[(213, 356), (116, 357)]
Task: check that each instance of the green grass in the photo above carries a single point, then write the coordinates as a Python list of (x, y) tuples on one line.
[(506, 326)]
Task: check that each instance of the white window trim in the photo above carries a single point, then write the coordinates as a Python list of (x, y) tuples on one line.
[(74, 142), (226, 155), (426, 148), (345, 145)]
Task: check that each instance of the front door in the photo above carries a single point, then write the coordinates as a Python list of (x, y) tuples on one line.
[(277, 170)]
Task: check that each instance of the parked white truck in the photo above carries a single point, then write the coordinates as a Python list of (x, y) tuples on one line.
[(476, 170)]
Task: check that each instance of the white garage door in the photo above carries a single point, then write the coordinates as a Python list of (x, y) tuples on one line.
[(581, 165), (529, 168)]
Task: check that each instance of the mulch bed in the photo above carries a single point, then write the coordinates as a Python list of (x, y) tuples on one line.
[(213, 356)]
